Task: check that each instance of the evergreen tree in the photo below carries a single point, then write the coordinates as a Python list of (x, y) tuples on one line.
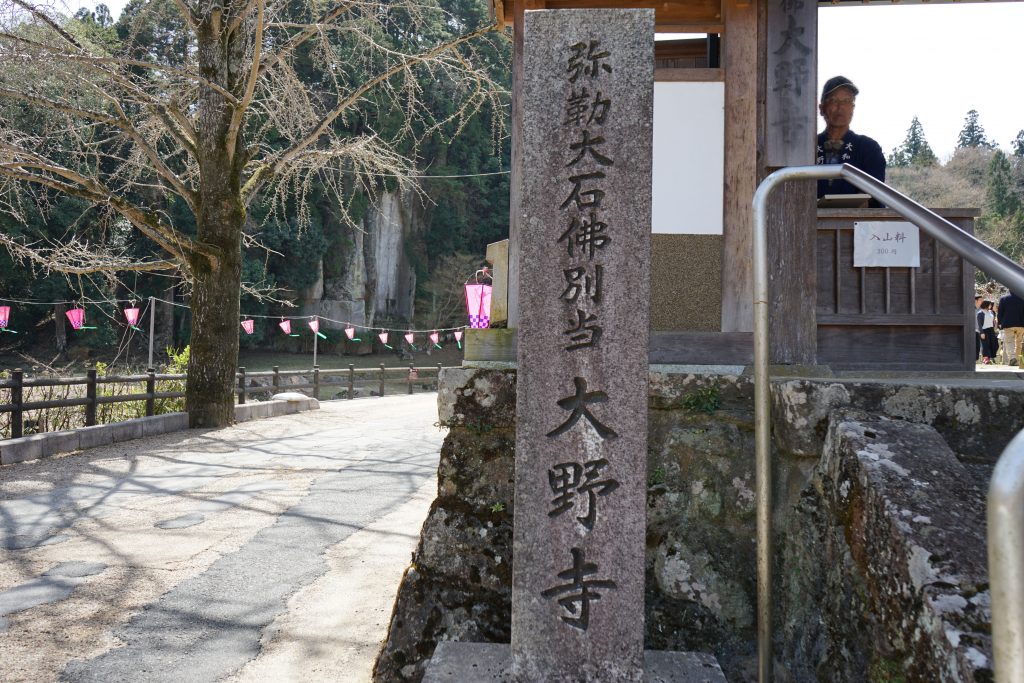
[(915, 150), (1018, 144), (972, 134), (999, 197)]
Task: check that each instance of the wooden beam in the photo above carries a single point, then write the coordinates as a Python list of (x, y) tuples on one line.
[(683, 16), (740, 63), (689, 75)]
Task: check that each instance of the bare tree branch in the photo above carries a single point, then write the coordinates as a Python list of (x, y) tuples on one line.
[(266, 171), (250, 86)]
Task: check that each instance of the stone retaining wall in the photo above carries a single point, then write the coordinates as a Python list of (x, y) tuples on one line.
[(701, 586)]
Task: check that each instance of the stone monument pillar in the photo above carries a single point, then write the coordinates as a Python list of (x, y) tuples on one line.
[(584, 283), (583, 210)]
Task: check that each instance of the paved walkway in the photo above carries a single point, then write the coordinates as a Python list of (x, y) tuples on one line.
[(268, 551)]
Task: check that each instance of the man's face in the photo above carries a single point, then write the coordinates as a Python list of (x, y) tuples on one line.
[(838, 108)]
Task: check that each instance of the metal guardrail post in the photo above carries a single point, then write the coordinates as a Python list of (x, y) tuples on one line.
[(762, 407), (412, 376), (1006, 561), (241, 385), (316, 382), (382, 379), (150, 389), (351, 381), (17, 398), (967, 247), (277, 379), (90, 394)]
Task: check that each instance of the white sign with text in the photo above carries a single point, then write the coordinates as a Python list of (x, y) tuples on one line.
[(886, 244)]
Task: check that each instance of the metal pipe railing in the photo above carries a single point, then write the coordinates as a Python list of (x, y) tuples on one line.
[(1006, 561), (967, 247)]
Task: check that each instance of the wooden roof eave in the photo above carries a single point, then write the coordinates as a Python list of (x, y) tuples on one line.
[(671, 16)]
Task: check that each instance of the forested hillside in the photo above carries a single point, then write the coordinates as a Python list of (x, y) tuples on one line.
[(450, 146), (979, 174)]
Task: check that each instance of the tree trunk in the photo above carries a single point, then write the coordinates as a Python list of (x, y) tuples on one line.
[(220, 217), (209, 390)]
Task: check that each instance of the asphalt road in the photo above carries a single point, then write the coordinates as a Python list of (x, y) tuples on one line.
[(268, 551)]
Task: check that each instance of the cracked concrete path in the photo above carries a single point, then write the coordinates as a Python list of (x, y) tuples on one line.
[(267, 551)]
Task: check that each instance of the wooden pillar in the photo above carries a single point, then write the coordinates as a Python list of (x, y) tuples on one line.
[(517, 164), (740, 62), (788, 82)]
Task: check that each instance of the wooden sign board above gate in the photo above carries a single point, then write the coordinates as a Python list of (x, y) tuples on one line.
[(671, 16)]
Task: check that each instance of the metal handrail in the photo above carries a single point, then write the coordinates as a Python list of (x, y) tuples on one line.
[(1006, 561), (970, 249)]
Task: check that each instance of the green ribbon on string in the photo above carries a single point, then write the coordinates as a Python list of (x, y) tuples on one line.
[(324, 336), (8, 331)]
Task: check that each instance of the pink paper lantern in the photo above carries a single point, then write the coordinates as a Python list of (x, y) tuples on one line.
[(314, 325), (5, 316), (383, 336), (248, 326), (350, 332), (286, 326), (77, 317), (458, 335), (410, 337), (434, 337), (132, 316), (478, 304)]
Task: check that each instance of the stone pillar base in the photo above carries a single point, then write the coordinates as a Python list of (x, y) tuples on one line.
[(492, 663)]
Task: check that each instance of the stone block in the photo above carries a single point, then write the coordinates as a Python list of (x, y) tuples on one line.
[(491, 663), (162, 424), (127, 430), (244, 413), (885, 562), (21, 450), (99, 435), (61, 442)]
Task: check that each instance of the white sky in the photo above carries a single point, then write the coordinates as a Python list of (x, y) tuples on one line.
[(933, 61), (936, 61)]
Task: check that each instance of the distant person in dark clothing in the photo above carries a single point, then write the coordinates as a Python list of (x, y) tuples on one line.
[(989, 341), (837, 144), (977, 326), (1011, 319)]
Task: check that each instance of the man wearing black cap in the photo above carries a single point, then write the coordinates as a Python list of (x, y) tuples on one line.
[(837, 144)]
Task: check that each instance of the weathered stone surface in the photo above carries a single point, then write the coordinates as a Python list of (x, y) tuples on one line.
[(886, 564), (977, 420), (477, 399), (459, 585), (581, 432), (700, 582)]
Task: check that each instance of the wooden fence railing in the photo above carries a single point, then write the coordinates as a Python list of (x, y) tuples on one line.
[(17, 384)]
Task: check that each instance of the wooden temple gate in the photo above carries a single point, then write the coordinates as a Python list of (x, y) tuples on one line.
[(730, 108)]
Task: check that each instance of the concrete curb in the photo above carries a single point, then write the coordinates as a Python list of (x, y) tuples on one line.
[(52, 443)]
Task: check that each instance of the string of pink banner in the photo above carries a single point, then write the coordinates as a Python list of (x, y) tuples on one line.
[(478, 307), (433, 336)]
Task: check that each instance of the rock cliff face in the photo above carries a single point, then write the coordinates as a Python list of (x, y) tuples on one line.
[(366, 275), (880, 570)]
